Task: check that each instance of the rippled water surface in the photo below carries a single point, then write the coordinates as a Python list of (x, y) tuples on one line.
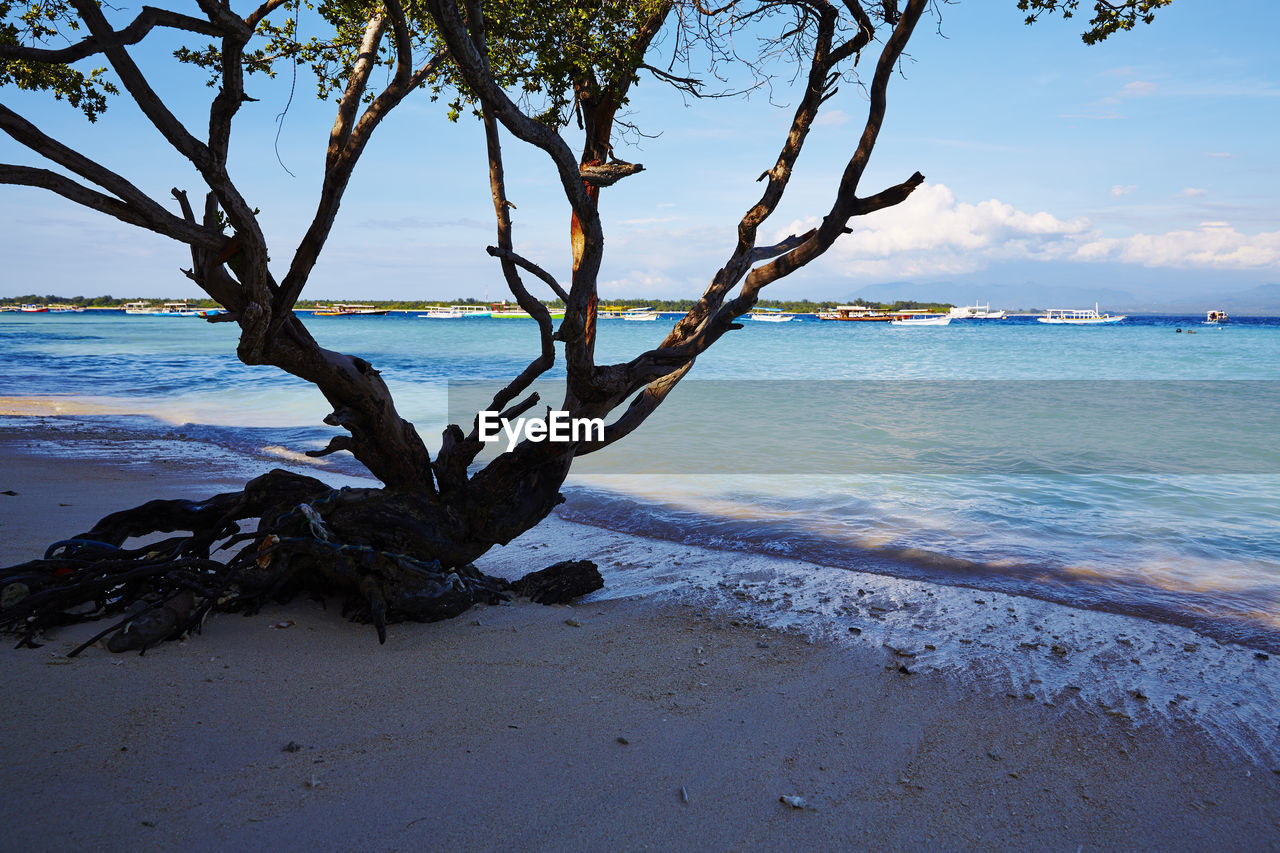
[(1131, 467)]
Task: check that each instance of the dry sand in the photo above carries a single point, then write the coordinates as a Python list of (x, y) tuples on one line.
[(642, 725)]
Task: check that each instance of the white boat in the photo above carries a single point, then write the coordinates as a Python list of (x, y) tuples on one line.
[(168, 309), (175, 309), (455, 312), (1081, 317), (65, 309), (33, 309), (771, 315), (444, 312), (975, 312), (348, 309), (1213, 318), (860, 313), (643, 314), (508, 312), (923, 320)]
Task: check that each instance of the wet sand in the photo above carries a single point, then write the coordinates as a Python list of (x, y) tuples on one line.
[(615, 724)]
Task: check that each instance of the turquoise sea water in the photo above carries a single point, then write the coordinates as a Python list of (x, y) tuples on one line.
[(1131, 468)]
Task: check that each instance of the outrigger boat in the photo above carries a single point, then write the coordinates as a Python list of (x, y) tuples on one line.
[(455, 312), (176, 309), (348, 309), (862, 313), (923, 320), (1084, 317), (442, 312), (976, 312), (503, 311), (641, 314), (771, 315)]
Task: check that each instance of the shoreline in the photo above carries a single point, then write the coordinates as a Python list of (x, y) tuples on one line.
[(100, 428), (501, 728)]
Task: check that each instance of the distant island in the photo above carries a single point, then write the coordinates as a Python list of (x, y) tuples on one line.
[(802, 306)]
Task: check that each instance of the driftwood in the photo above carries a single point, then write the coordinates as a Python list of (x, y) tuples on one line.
[(309, 539), (560, 583)]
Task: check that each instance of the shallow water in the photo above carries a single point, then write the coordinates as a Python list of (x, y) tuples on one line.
[(1129, 468)]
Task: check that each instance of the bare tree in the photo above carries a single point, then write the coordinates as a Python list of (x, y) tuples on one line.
[(404, 551)]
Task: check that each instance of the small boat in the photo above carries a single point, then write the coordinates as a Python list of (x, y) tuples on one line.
[(34, 309), (348, 309), (922, 320), (1215, 317), (139, 307), (861, 313), (503, 311), (641, 315), (65, 309), (976, 312), (771, 315), (1082, 317), (455, 312), (175, 309)]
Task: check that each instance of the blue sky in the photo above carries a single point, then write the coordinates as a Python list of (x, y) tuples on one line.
[(1141, 169)]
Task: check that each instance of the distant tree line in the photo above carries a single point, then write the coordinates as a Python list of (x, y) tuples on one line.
[(801, 306)]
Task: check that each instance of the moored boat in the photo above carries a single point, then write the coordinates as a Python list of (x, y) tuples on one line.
[(976, 312), (348, 309), (181, 308), (771, 315), (861, 313), (503, 311), (1079, 317), (34, 309), (442, 312), (922, 320)]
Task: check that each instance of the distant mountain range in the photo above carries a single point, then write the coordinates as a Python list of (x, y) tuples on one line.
[(1261, 300)]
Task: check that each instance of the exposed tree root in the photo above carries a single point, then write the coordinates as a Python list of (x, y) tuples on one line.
[(165, 590)]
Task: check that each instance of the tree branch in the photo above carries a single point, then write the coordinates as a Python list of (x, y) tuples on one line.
[(525, 263), (149, 18), (168, 226), (152, 213)]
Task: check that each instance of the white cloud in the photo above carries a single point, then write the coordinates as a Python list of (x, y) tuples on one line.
[(1119, 190), (1192, 192), (934, 234), (831, 118), (1137, 89), (1213, 244), (641, 282)]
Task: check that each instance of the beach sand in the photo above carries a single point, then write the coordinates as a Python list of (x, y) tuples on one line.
[(616, 724)]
